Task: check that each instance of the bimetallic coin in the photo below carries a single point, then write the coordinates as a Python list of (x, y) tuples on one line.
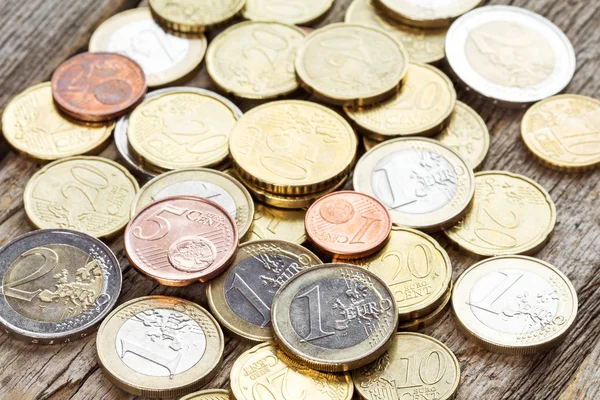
[(510, 55), (334, 317), (348, 224), (277, 223), (422, 45), (427, 320), (514, 304), (510, 214), (294, 12), (35, 128), (346, 64), (207, 183), (160, 347), (415, 267), (182, 129), (292, 147), (89, 194), (562, 132), (467, 134), (424, 184), (180, 240), (259, 369), (255, 60), (242, 296), (210, 394), (422, 106), (165, 58), (194, 15), (415, 365), (426, 14), (98, 86), (57, 285)]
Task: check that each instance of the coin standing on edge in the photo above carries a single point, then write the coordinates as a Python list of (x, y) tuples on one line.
[(292, 147), (98, 86), (181, 240), (89, 194), (255, 60), (467, 134), (415, 267), (334, 317), (241, 297), (514, 305), (159, 346), (562, 132), (537, 59), (164, 57), (422, 106), (35, 128), (210, 394), (414, 364), (202, 182), (348, 224), (57, 285), (346, 64), (510, 214), (424, 184), (277, 223), (426, 14), (194, 16), (422, 45)]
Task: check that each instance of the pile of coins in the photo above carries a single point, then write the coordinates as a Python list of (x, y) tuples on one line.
[(330, 285)]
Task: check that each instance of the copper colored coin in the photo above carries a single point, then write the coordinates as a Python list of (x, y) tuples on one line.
[(98, 86), (348, 224), (181, 240)]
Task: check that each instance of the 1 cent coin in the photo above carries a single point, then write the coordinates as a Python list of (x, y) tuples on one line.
[(348, 224), (98, 86), (181, 240)]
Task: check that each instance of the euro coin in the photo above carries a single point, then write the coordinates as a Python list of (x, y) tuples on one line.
[(294, 12), (426, 14), (277, 223), (427, 320), (194, 15)]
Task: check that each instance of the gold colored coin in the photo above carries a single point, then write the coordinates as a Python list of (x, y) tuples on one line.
[(562, 131), (514, 305), (467, 134), (422, 106), (32, 124), (415, 267), (422, 45), (255, 60), (259, 369), (423, 322), (426, 14), (346, 64), (88, 194), (202, 182), (510, 214), (415, 365), (294, 12), (182, 129), (277, 223), (210, 394), (292, 147), (194, 15), (424, 184), (159, 346), (241, 297)]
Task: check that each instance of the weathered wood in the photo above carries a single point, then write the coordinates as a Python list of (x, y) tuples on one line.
[(36, 35)]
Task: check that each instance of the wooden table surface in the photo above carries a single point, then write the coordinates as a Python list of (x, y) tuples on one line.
[(37, 35)]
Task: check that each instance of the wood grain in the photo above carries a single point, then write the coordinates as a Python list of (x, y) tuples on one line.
[(36, 35)]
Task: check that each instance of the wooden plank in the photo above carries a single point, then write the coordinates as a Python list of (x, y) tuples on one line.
[(37, 35)]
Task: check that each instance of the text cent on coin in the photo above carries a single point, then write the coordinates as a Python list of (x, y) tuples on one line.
[(181, 240), (159, 346), (242, 296), (98, 86), (334, 317), (57, 285)]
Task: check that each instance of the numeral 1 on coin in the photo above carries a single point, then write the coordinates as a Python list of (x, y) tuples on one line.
[(314, 314)]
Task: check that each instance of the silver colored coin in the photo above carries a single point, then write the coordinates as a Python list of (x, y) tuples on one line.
[(120, 132), (510, 55), (57, 285)]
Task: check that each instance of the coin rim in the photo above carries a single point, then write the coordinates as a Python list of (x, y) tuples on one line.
[(428, 320), (191, 27), (253, 16)]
